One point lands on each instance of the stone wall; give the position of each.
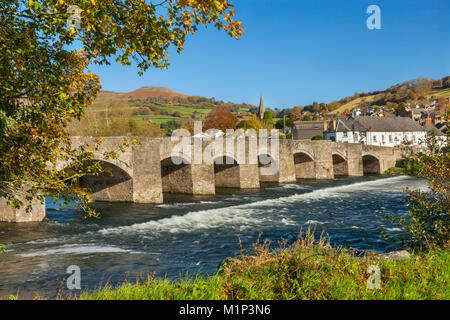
(10, 214)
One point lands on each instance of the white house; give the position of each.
(386, 131)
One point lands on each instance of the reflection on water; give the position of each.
(191, 234)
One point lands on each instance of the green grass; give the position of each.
(439, 93)
(305, 270)
(354, 103)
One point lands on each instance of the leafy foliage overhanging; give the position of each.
(45, 82)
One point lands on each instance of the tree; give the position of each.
(289, 122)
(267, 119)
(253, 123)
(295, 113)
(317, 137)
(170, 126)
(45, 83)
(428, 221)
(306, 118)
(446, 81)
(220, 118)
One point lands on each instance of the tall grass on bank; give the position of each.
(307, 269)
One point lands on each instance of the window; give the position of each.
(374, 138)
(390, 139)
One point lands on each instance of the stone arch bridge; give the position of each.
(145, 171)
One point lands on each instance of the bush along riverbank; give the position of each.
(307, 269)
(406, 167)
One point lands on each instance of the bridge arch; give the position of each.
(340, 164)
(268, 168)
(226, 172)
(114, 183)
(371, 164)
(176, 175)
(304, 165)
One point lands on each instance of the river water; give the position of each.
(192, 234)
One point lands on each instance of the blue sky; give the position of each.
(295, 52)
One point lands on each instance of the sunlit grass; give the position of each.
(307, 269)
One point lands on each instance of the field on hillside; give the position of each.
(142, 111)
(440, 93)
(115, 103)
(354, 103)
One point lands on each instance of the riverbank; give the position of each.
(191, 235)
(304, 270)
(405, 167)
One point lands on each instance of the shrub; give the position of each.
(428, 224)
(408, 166)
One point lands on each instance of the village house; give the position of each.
(306, 130)
(376, 131)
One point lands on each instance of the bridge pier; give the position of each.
(176, 178)
(243, 176)
(354, 160)
(283, 165)
(249, 176)
(203, 179)
(10, 214)
(147, 181)
(323, 162)
(286, 168)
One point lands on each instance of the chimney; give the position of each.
(428, 121)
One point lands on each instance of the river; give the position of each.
(192, 234)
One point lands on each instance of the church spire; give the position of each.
(261, 108)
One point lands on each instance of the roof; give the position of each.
(419, 110)
(442, 127)
(379, 124)
(344, 125)
(306, 134)
(309, 124)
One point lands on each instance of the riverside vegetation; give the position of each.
(307, 269)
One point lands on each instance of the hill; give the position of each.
(414, 91)
(152, 92)
(145, 111)
(437, 92)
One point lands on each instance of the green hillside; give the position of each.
(148, 108)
